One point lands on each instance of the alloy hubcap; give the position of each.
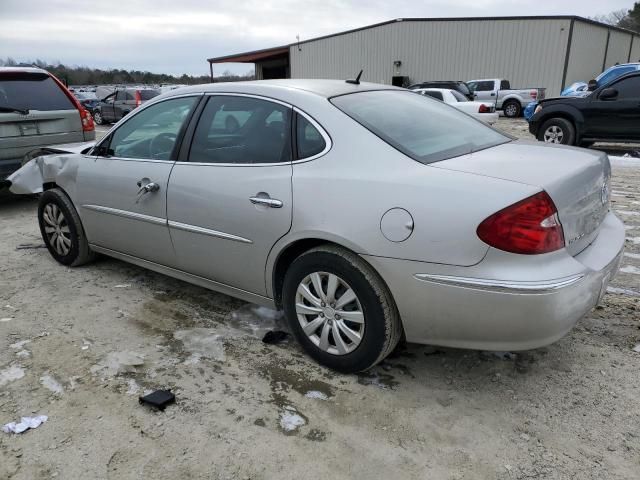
(330, 313)
(511, 110)
(553, 134)
(56, 229)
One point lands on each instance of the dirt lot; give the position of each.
(80, 345)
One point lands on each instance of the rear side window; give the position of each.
(148, 94)
(421, 128)
(485, 86)
(242, 130)
(308, 139)
(458, 96)
(121, 95)
(32, 91)
(436, 95)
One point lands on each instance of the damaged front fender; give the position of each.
(61, 169)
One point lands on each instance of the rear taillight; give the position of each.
(85, 117)
(484, 109)
(534, 94)
(529, 227)
(138, 98)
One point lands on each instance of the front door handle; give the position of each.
(269, 202)
(146, 186)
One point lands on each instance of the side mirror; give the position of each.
(609, 94)
(593, 84)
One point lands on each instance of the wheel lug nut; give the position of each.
(333, 305)
(322, 315)
(337, 317)
(322, 304)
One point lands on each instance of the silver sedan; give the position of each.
(368, 213)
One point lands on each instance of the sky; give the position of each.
(177, 36)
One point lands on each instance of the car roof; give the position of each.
(323, 88)
(23, 70)
(432, 90)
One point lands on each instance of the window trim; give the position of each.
(192, 129)
(328, 144)
(179, 140)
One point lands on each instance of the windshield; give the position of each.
(418, 126)
(32, 91)
(614, 72)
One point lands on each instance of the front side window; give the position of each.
(242, 130)
(308, 139)
(121, 95)
(152, 133)
(421, 128)
(628, 88)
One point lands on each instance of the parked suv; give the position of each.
(610, 113)
(37, 110)
(459, 86)
(118, 104)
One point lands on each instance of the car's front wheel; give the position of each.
(97, 117)
(340, 310)
(557, 130)
(62, 230)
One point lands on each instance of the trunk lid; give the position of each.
(577, 180)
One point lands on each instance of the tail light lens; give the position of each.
(530, 226)
(534, 94)
(484, 109)
(138, 98)
(85, 117)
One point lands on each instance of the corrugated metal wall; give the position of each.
(635, 51)
(618, 51)
(527, 52)
(588, 46)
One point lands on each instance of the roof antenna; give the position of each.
(357, 79)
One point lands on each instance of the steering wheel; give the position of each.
(161, 145)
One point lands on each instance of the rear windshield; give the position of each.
(32, 91)
(148, 94)
(420, 127)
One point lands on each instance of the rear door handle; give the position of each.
(269, 202)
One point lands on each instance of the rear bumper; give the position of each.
(473, 308)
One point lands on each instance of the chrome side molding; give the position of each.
(206, 231)
(504, 286)
(126, 214)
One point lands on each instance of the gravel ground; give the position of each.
(80, 345)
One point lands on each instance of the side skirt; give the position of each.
(188, 277)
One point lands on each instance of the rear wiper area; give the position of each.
(22, 111)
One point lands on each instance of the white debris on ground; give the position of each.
(118, 362)
(201, 343)
(316, 395)
(258, 320)
(132, 387)
(623, 291)
(25, 424)
(123, 285)
(51, 384)
(290, 420)
(630, 269)
(5, 319)
(635, 256)
(14, 372)
(20, 344)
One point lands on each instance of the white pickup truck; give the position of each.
(511, 101)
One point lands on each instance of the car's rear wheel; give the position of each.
(340, 310)
(97, 118)
(557, 130)
(62, 230)
(512, 109)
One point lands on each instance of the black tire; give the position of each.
(561, 126)
(382, 326)
(512, 109)
(78, 251)
(586, 144)
(97, 117)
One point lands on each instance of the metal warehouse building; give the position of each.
(550, 52)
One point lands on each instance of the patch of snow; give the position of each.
(630, 269)
(623, 291)
(628, 212)
(634, 240)
(19, 344)
(25, 424)
(5, 319)
(290, 420)
(122, 285)
(23, 353)
(14, 372)
(257, 320)
(51, 384)
(132, 387)
(632, 255)
(316, 395)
